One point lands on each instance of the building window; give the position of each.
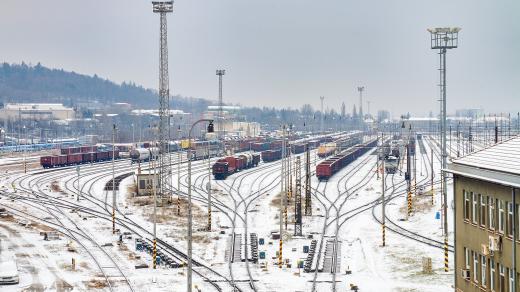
(483, 200)
(483, 271)
(501, 278)
(510, 219)
(492, 274)
(491, 213)
(501, 216)
(474, 209)
(467, 257)
(475, 267)
(466, 206)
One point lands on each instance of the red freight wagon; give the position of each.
(116, 154)
(89, 157)
(75, 158)
(62, 159)
(70, 150)
(87, 149)
(275, 145)
(102, 156)
(49, 161)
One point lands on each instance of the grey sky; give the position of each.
(282, 52)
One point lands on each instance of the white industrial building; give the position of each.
(36, 111)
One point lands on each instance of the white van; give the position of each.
(9, 272)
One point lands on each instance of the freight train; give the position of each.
(332, 165)
(340, 144)
(231, 164)
(77, 155)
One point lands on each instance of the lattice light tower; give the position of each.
(220, 123)
(308, 199)
(443, 39)
(163, 7)
(321, 115)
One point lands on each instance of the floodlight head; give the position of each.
(162, 6)
(361, 88)
(444, 37)
(221, 72)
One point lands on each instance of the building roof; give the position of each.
(499, 163)
(36, 106)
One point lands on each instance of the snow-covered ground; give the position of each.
(250, 196)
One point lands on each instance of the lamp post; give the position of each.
(444, 39)
(190, 217)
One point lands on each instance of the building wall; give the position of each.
(471, 236)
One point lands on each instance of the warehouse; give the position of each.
(486, 184)
(36, 111)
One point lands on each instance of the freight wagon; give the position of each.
(231, 164)
(144, 154)
(271, 155)
(77, 158)
(297, 148)
(332, 165)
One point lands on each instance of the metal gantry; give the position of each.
(443, 39)
(162, 8)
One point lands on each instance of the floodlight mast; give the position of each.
(162, 8)
(444, 39)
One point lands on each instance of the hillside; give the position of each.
(24, 83)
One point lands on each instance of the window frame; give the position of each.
(483, 271)
(510, 219)
(501, 217)
(475, 267)
(474, 208)
(492, 213)
(492, 273)
(467, 206)
(483, 210)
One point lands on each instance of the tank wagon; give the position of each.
(231, 164)
(144, 154)
(332, 165)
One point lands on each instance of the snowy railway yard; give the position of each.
(63, 242)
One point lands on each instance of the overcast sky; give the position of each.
(282, 52)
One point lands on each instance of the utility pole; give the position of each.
(408, 180)
(79, 188)
(282, 194)
(208, 187)
(383, 217)
(444, 39)
(298, 199)
(154, 182)
(321, 115)
(431, 171)
(113, 179)
(162, 8)
(308, 202)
